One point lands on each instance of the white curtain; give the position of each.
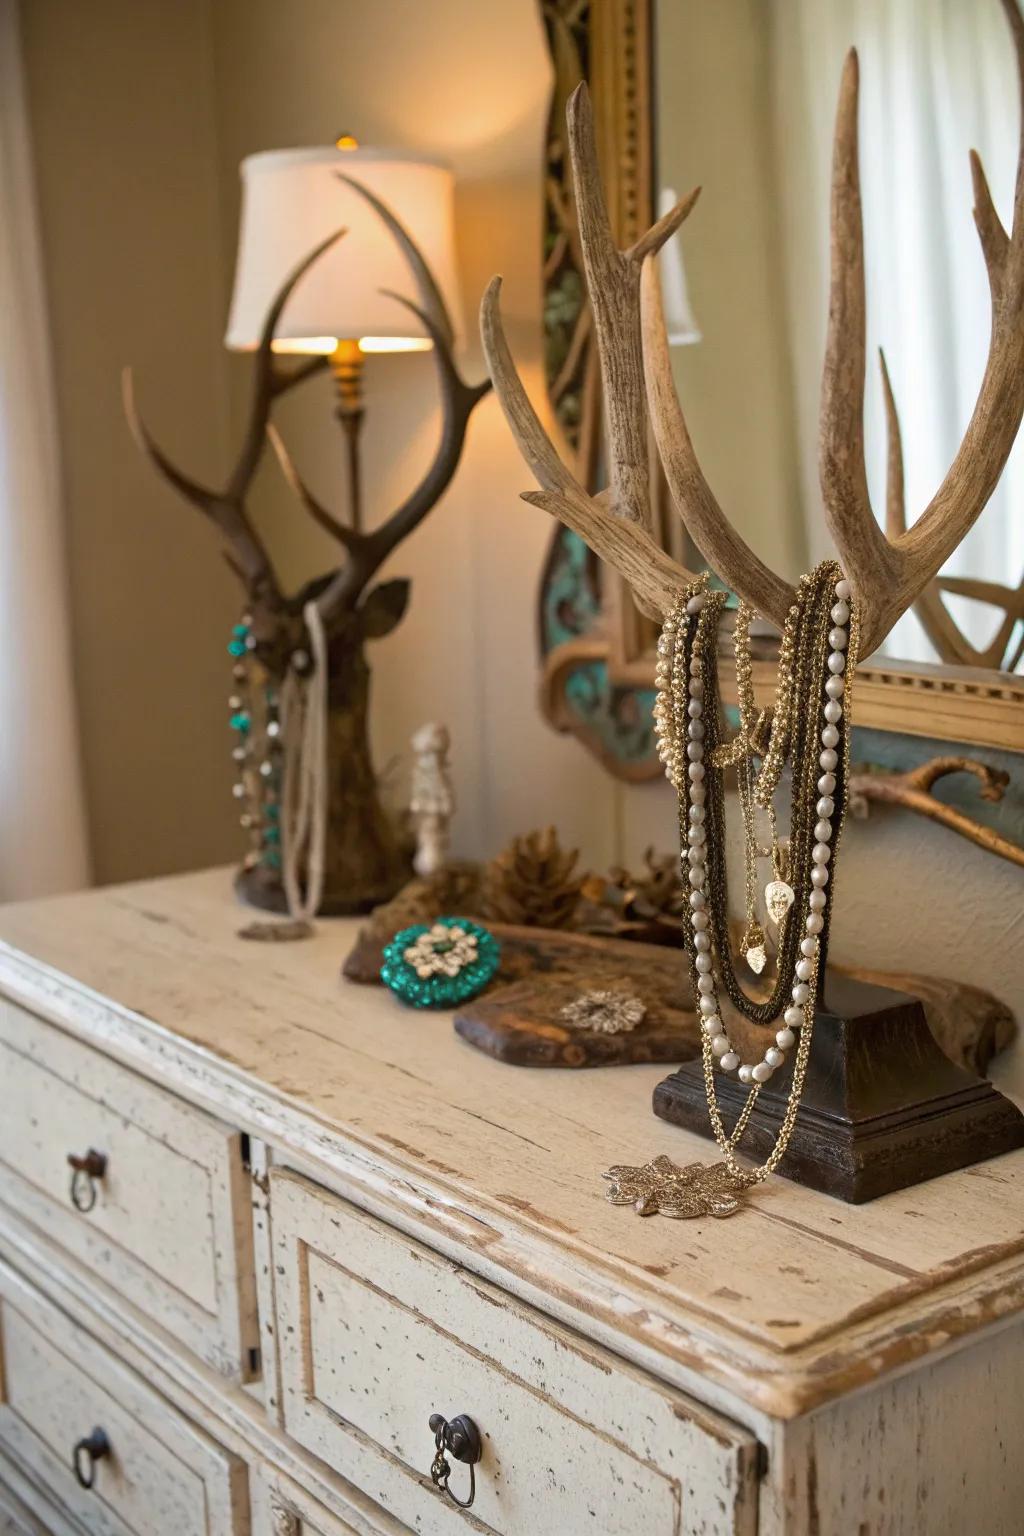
(42, 818)
(937, 79)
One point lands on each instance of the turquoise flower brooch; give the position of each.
(440, 965)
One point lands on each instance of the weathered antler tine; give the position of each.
(1009, 599)
(995, 241)
(268, 379)
(866, 556)
(656, 580)
(613, 279)
(249, 556)
(650, 243)
(430, 295)
(201, 496)
(458, 401)
(936, 620)
(924, 548)
(534, 443)
(723, 548)
(895, 491)
(345, 536)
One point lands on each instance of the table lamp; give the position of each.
(292, 199)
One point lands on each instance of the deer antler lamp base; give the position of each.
(883, 1108)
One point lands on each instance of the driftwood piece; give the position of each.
(888, 574)
(520, 1021)
(517, 1019)
(912, 791)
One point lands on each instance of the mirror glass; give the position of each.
(745, 97)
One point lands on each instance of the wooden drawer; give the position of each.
(281, 1508)
(171, 1227)
(377, 1332)
(162, 1477)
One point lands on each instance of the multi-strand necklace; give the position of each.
(808, 730)
(255, 720)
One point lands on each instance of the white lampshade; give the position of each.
(680, 324)
(292, 200)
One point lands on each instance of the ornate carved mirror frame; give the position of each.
(598, 652)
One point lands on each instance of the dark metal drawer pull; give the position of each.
(461, 1439)
(85, 1171)
(86, 1454)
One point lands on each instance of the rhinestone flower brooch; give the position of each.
(442, 964)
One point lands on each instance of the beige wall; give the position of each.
(131, 231)
(141, 112)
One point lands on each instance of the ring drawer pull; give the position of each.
(85, 1171)
(86, 1454)
(461, 1439)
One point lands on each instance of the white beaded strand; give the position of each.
(681, 699)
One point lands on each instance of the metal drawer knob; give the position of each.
(86, 1454)
(459, 1437)
(85, 1171)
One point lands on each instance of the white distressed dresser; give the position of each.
(310, 1219)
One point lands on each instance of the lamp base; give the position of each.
(883, 1107)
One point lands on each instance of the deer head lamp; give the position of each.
(364, 859)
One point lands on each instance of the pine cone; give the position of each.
(532, 883)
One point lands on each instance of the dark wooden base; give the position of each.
(263, 888)
(882, 1109)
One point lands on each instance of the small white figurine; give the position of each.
(432, 800)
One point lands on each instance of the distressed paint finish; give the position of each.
(501, 1169)
(874, 1351)
(170, 1227)
(377, 1333)
(281, 1507)
(932, 1453)
(163, 1476)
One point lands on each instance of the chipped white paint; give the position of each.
(874, 1351)
(163, 1477)
(170, 1227)
(280, 1507)
(377, 1333)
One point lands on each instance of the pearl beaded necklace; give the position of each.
(684, 713)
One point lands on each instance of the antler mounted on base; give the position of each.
(365, 859)
(888, 573)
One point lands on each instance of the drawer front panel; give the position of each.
(280, 1507)
(170, 1225)
(377, 1332)
(162, 1476)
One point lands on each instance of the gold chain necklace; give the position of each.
(810, 727)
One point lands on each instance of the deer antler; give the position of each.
(723, 548)
(936, 620)
(367, 551)
(248, 555)
(889, 574)
(616, 523)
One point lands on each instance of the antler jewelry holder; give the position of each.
(882, 1107)
(365, 859)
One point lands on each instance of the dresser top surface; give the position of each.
(796, 1300)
